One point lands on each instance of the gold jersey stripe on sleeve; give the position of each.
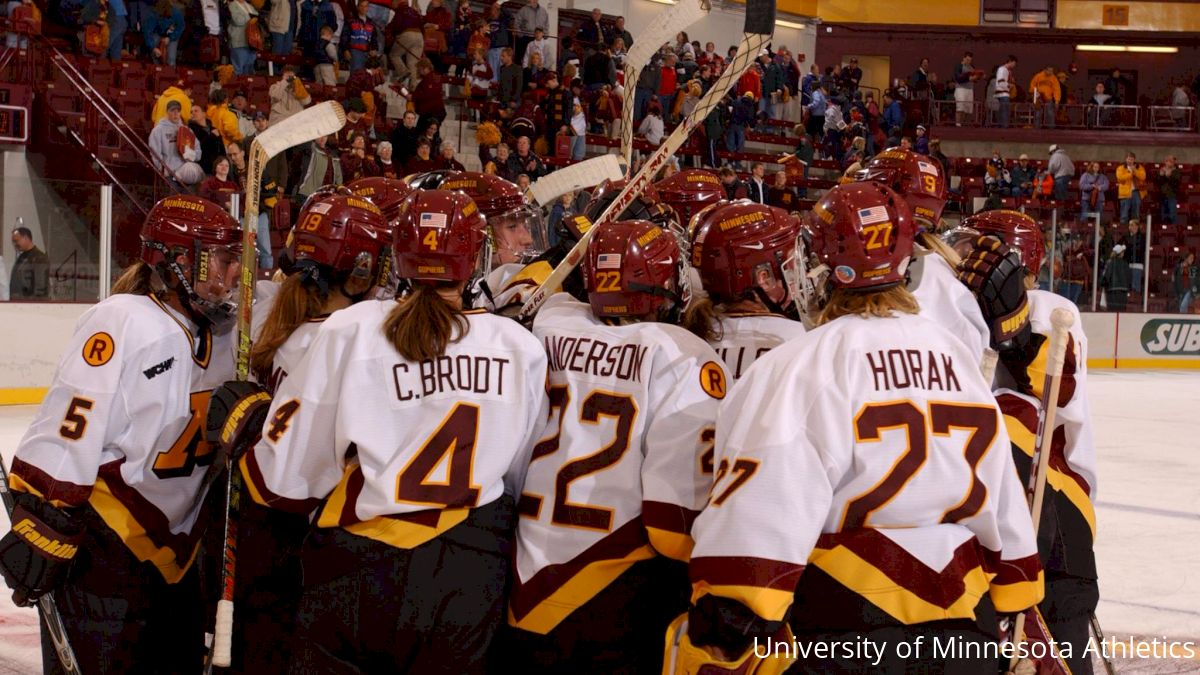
(122, 521)
(1067, 485)
(765, 586)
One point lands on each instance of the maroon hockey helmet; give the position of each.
(1020, 231)
(689, 191)
(209, 240)
(633, 269)
(438, 236)
(862, 235)
(916, 178)
(385, 193)
(342, 234)
(741, 246)
(516, 229)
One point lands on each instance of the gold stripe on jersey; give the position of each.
(668, 527)
(122, 521)
(1068, 486)
(767, 587)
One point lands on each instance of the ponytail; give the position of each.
(702, 319)
(137, 279)
(934, 243)
(424, 324)
(298, 301)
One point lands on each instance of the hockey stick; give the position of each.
(49, 611)
(1060, 321)
(1108, 665)
(678, 17)
(305, 126)
(760, 22)
(987, 365)
(578, 176)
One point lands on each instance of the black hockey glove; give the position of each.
(236, 413)
(36, 554)
(995, 275)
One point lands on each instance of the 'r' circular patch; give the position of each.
(99, 349)
(712, 380)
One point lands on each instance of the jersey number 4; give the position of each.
(619, 407)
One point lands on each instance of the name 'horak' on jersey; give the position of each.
(904, 368)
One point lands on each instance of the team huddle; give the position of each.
(731, 426)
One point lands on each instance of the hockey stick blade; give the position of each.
(578, 176)
(307, 125)
(751, 43)
(663, 28)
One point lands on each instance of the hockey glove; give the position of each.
(995, 275)
(36, 554)
(236, 414)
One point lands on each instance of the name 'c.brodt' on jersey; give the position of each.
(596, 357)
(448, 375)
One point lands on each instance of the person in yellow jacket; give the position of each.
(169, 94)
(1131, 182)
(1046, 94)
(223, 119)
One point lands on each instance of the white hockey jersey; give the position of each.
(121, 428)
(394, 450)
(947, 301)
(873, 450)
(292, 351)
(745, 337)
(622, 470)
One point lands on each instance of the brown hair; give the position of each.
(868, 303)
(137, 279)
(295, 303)
(702, 319)
(423, 324)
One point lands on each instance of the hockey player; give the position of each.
(340, 250)
(378, 430)
(109, 478)
(1068, 526)
(613, 486)
(942, 298)
(689, 191)
(858, 493)
(741, 250)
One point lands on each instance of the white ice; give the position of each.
(1148, 442)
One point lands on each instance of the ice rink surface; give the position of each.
(1148, 512)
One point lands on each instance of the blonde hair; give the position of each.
(137, 279)
(702, 319)
(881, 304)
(424, 324)
(295, 303)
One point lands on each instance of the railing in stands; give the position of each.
(1067, 116)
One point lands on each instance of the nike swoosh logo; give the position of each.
(757, 246)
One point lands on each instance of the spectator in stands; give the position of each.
(918, 82)
(756, 185)
(523, 182)
(408, 44)
(579, 126)
(117, 19)
(316, 165)
(652, 128)
(498, 35)
(1076, 267)
(647, 86)
(1114, 86)
(605, 114)
(592, 34)
(734, 189)
(540, 47)
(1062, 170)
(964, 90)
(240, 54)
(210, 142)
(619, 53)
(429, 131)
(710, 57)
(384, 166)
(427, 98)
(668, 84)
(326, 59)
(438, 22)
(570, 55)
(30, 278)
(782, 195)
(404, 138)
(599, 69)
(164, 147)
(1046, 92)
(314, 16)
(835, 127)
(893, 116)
(1023, 174)
(281, 24)
(683, 46)
(479, 77)
(1093, 186)
(275, 173)
(1135, 253)
(714, 131)
(852, 76)
(288, 95)
(161, 29)
(1185, 281)
(1131, 181)
(240, 107)
(237, 164)
(360, 38)
(772, 86)
(219, 188)
(464, 25)
(1115, 280)
(446, 159)
(1168, 181)
(355, 162)
(25, 19)
(500, 166)
(525, 161)
(530, 18)
(921, 146)
(1004, 78)
(818, 103)
(935, 152)
(741, 116)
(510, 81)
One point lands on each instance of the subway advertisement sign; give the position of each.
(1171, 337)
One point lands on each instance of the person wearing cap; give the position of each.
(357, 124)
(1022, 174)
(852, 75)
(1062, 169)
(1116, 279)
(164, 147)
(921, 145)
